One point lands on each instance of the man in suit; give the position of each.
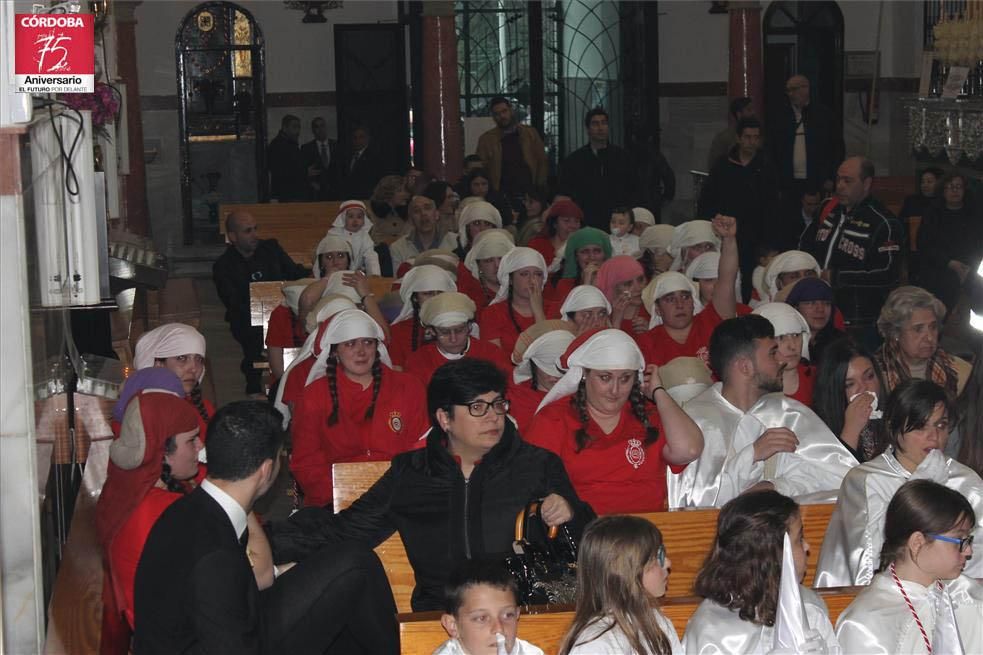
(321, 158)
(362, 168)
(195, 591)
(288, 174)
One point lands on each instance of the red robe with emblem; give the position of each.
(428, 359)
(659, 348)
(496, 323)
(398, 422)
(616, 473)
(523, 401)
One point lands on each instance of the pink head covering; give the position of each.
(615, 271)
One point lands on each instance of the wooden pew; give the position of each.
(420, 633)
(688, 535)
(298, 226)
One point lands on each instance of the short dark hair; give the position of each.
(499, 100)
(361, 127)
(287, 120)
(626, 211)
(746, 123)
(911, 404)
(316, 120)
(735, 337)
(241, 436)
(596, 111)
(953, 175)
(472, 573)
(737, 105)
(459, 382)
(437, 191)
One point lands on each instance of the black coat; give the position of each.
(441, 519)
(358, 181)
(328, 180)
(824, 143)
(600, 182)
(232, 274)
(288, 172)
(748, 193)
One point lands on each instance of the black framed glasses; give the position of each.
(478, 408)
(963, 543)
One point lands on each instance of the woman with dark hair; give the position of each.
(518, 305)
(562, 219)
(813, 298)
(535, 357)
(535, 203)
(917, 418)
(445, 199)
(454, 499)
(614, 444)
(846, 397)
(416, 287)
(921, 601)
(356, 408)
(917, 204)
(741, 577)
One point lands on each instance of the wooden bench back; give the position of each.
(421, 633)
(688, 535)
(891, 190)
(298, 226)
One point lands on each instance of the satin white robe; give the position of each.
(726, 467)
(878, 621)
(716, 630)
(852, 546)
(613, 642)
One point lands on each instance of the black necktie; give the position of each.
(324, 154)
(244, 539)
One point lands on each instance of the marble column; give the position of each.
(746, 71)
(440, 120)
(136, 213)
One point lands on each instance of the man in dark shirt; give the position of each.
(321, 159)
(288, 172)
(513, 153)
(362, 168)
(249, 259)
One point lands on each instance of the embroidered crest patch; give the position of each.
(395, 421)
(634, 453)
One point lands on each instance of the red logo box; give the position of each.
(55, 53)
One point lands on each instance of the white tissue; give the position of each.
(874, 412)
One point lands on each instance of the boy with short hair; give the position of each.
(481, 612)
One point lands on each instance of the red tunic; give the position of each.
(523, 401)
(615, 473)
(544, 247)
(807, 381)
(496, 323)
(127, 546)
(401, 341)
(428, 359)
(742, 310)
(558, 293)
(296, 381)
(627, 325)
(659, 348)
(284, 330)
(468, 285)
(398, 422)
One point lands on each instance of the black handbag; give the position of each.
(544, 560)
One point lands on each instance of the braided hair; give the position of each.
(532, 381)
(511, 310)
(417, 326)
(196, 399)
(637, 400)
(173, 485)
(332, 375)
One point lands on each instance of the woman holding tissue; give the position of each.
(917, 416)
(747, 588)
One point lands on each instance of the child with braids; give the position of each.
(416, 287)
(355, 408)
(518, 305)
(614, 425)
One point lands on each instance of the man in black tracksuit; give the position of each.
(858, 244)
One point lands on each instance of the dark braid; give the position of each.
(637, 401)
(173, 485)
(518, 329)
(332, 374)
(376, 383)
(196, 400)
(417, 326)
(579, 402)
(533, 369)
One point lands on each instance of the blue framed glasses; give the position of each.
(660, 555)
(963, 543)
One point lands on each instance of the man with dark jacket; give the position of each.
(288, 172)
(456, 498)
(362, 168)
(513, 153)
(321, 159)
(600, 176)
(249, 259)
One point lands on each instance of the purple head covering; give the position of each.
(153, 377)
(809, 288)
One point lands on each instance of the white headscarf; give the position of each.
(336, 284)
(584, 296)
(786, 320)
(339, 220)
(643, 215)
(606, 350)
(422, 278)
(291, 293)
(330, 243)
(668, 282)
(518, 257)
(707, 267)
(447, 309)
(168, 340)
(689, 234)
(490, 243)
(657, 236)
(545, 351)
(345, 326)
(786, 262)
(325, 308)
(477, 211)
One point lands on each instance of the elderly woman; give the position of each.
(792, 334)
(655, 243)
(615, 445)
(918, 417)
(563, 218)
(585, 251)
(480, 277)
(535, 356)
(911, 322)
(355, 408)
(448, 319)
(181, 349)
(389, 205)
(587, 308)
(416, 287)
(519, 301)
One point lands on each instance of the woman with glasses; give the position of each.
(614, 425)
(355, 408)
(454, 499)
(416, 287)
(918, 416)
(449, 330)
(922, 600)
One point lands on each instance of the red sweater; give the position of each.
(807, 382)
(296, 381)
(397, 423)
(284, 330)
(401, 341)
(523, 401)
(495, 323)
(468, 285)
(660, 348)
(428, 359)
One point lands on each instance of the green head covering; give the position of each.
(585, 236)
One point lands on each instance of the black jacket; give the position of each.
(359, 181)
(748, 193)
(600, 182)
(288, 173)
(824, 143)
(232, 274)
(327, 182)
(441, 519)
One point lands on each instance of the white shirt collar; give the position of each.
(232, 508)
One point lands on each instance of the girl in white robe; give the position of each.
(622, 570)
(740, 581)
(920, 602)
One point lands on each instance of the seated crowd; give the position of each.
(525, 354)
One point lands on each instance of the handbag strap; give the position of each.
(531, 509)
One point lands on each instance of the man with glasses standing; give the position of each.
(456, 498)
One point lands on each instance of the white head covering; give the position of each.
(330, 243)
(325, 308)
(422, 278)
(490, 243)
(758, 282)
(345, 326)
(664, 283)
(168, 340)
(291, 293)
(689, 234)
(786, 262)
(584, 296)
(605, 350)
(786, 320)
(685, 378)
(558, 256)
(643, 215)
(447, 309)
(336, 285)
(477, 211)
(518, 257)
(545, 351)
(657, 236)
(707, 267)
(339, 220)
